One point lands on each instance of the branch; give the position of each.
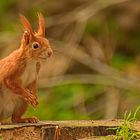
(89, 79)
(82, 13)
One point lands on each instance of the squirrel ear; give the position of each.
(26, 24)
(41, 23)
(26, 38)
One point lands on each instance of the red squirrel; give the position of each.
(16, 93)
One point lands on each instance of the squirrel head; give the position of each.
(34, 44)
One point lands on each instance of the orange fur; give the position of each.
(15, 92)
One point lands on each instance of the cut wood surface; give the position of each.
(60, 130)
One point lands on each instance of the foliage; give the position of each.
(1, 137)
(126, 130)
(66, 102)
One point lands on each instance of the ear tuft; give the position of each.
(41, 22)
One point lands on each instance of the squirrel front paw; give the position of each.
(31, 98)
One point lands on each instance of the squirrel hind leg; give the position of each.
(25, 120)
(19, 111)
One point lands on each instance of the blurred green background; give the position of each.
(94, 72)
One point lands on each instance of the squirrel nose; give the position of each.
(50, 52)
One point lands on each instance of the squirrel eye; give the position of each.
(35, 45)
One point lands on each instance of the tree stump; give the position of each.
(60, 130)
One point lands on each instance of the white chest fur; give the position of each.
(29, 74)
